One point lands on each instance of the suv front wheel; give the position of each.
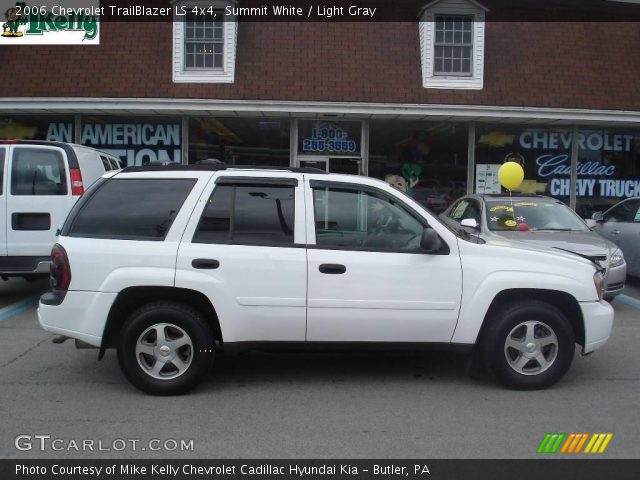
(528, 345)
(165, 348)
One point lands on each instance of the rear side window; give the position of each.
(105, 163)
(132, 209)
(248, 215)
(36, 171)
(116, 164)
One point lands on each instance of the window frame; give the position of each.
(426, 30)
(213, 41)
(446, 44)
(322, 184)
(233, 182)
(184, 74)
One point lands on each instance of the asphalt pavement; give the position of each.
(348, 405)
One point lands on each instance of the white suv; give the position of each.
(172, 264)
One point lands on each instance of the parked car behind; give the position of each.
(621, 225)
(39, 183)
(543, 221)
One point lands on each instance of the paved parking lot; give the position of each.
(308, 406)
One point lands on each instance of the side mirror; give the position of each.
(430, 241)
(598, 217)
(590, 222)
(470, 222)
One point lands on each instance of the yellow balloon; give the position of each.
(510, 175)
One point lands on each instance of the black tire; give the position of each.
(509, 321)
(181, 321)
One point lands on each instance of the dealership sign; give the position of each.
(550, 166)
(134, 143)
(593, 141)
(75, 23)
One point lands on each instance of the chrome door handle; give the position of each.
(615, 232)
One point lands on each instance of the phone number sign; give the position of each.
(329, 138)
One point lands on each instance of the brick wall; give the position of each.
(580, 65)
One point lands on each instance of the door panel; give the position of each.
(383, 297)
(37, 186)
(388, 291)
(245, 251)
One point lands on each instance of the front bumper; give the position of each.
(81, 315)
(614, 280)
(598, 321)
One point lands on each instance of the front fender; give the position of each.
(477, 300)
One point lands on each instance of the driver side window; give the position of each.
(625, 212)
(351, 218)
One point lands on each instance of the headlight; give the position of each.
(617, 258)
(597, 281)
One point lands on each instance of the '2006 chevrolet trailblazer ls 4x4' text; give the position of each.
(170, 264)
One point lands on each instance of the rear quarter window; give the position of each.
(132, 209)
(38, 171)
(105, 163)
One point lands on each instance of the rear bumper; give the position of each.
(598, 321)
(16, 266)
(81, 315)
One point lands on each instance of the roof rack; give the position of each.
(217, 167)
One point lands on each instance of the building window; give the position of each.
(452, 44)
(204, 42)
(240, 140)
(426, 160)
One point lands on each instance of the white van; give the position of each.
(39, 183)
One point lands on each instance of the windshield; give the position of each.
(532, 215)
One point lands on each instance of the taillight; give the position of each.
(77, 188)
(60, 268)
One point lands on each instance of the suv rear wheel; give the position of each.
(528, 345)
(165, 348)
